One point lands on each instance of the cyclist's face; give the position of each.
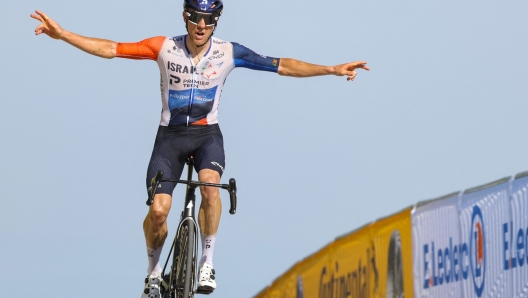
(199, 33)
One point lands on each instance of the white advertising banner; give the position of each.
(515, 237)
(437, 248)
(483, 212)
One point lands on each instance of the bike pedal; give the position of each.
(204, 290)
(164, 283)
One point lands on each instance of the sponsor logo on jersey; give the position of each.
(174, 79)
(218, 165)
(218, 56)
(274, 62)
(182, 98)
(181, 68)
(458, 261)
(209, 71)
(189, 83)
(175, 51)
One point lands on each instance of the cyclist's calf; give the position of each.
(211, 207)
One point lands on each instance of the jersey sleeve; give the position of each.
(245, 57)
(145, 49)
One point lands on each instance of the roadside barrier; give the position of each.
(466, 244)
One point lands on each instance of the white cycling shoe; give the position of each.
(206, 280)
(152, 287)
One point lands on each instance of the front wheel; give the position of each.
(189, 264)
(184, 261)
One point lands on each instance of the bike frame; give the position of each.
(187, 219)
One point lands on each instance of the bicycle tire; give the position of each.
(183, 266)
(188, 289)
(170, 278)
(176, 275)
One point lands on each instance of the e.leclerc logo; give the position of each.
(454, 263)
(477, 250)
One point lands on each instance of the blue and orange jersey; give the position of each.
(190, 93)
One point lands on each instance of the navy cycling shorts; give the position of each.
(174, 144)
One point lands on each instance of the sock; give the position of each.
(208, 243)
(154, 267)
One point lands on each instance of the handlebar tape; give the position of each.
(232, 195)
(154, 183)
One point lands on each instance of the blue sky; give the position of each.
(443, 109)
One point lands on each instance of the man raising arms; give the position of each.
(193, 70)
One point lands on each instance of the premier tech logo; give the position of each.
(458, 261)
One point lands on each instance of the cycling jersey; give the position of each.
(190, 93)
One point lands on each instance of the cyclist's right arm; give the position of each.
(99, 47)
(103, 48)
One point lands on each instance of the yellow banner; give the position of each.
(392, 238)
(374, 261)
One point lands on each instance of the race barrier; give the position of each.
(369, 262)
(466, 244)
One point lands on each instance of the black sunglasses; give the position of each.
(195, 17)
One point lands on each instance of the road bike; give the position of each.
(180, 281)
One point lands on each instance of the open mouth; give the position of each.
(199, 35)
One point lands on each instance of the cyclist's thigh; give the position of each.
(166, 157)
(210, 153)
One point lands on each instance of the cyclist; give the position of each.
(193, 70)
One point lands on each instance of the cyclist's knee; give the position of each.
(157, 216)
(209, 176)
(160, 209)
(210, 195)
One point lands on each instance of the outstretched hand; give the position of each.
(48, 26)
(349, 69)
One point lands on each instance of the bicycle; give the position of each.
(181, 280)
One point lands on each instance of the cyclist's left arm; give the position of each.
(244, 57)
(296, 68)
